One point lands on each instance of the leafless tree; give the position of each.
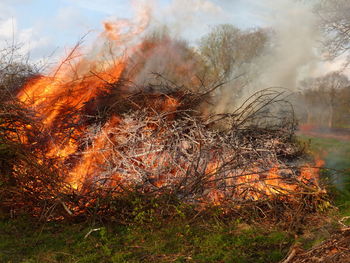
(323, 97)
(226, 49)
(335, 21)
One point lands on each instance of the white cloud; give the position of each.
(32, 40)
(338, 64)
(28, 40)
(109, 7)
(72, 20)
(40, 37)
(7, 28)
(5, 11)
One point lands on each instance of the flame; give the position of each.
(53, 95)
(93, 158)
(101, 151)
(79, 79)
(312, 173)
(279, 180)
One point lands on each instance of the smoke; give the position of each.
(122, 31)
(189, 18)
(292, 53)
(170, 58)
(119, 38)
(289, 56)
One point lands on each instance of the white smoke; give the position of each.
(292, 55)
(189, 18)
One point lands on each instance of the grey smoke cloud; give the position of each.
(296, 36)
(293, 54)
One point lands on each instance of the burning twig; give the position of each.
(154, 143)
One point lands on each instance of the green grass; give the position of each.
(336, 153)
(177, 241)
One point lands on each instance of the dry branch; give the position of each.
(158, 144)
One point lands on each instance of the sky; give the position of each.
(49, 27)
(46, 30)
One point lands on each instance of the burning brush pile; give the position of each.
(85, 137)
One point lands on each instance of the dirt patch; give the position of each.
(334, 250)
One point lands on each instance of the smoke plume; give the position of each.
(292, 54)
(289, 56)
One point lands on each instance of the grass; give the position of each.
(175, 242)
(336, 154)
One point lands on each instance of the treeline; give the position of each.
(325, 101)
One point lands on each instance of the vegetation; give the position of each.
(336, 154)
(177, 241)
(325, 101)
(335, 19)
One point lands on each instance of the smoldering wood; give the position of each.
(224, 159)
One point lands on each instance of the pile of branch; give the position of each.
(246, 157)
(158, 144)
(181, 152)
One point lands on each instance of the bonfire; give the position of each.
(88, 133)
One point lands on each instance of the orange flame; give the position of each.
(78, 80)
(75, 81)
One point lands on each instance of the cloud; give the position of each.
(28, 40)
(40, 35)
(73, 21)
(7, 28)
(108, 7)
(32, 40)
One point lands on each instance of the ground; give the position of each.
(336, 249)
(176, 242)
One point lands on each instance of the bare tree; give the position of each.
(323, 98)
(335, 21)
(226, 49)
(228, 53)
